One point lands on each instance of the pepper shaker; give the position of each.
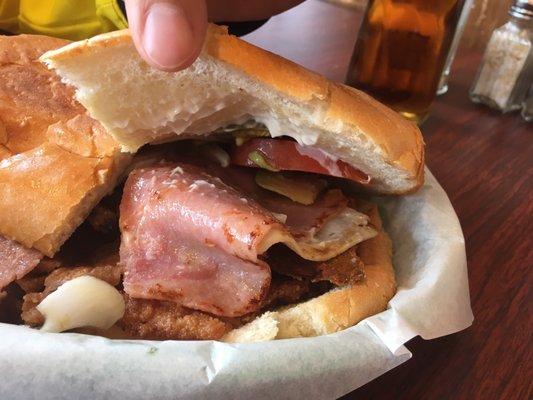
(506, 70)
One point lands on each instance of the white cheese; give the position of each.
(336, 236)
(82, 302)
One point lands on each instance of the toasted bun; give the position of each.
(56, 162)
(337, 309)
(233, 81)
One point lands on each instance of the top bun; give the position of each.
(233, 81)
(56, 162)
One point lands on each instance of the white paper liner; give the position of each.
(432, 301)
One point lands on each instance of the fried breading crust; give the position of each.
(163, 320)
(345, 269)
(284, 290)
(154, 319)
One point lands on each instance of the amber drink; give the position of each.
(401, 51)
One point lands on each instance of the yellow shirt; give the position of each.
(68, 19)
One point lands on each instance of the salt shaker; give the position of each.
(507, 68)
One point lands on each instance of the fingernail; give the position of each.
(167, 35)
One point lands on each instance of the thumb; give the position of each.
(168, 34)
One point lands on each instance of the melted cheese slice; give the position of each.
(341, 232)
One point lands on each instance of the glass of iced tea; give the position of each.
(401, 51)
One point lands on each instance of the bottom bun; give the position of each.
(337, 309)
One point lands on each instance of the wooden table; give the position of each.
(484, 161)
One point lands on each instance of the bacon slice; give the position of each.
(189, 237)
(300, 219)
(15, 261)
(166, 320)
(315, 232)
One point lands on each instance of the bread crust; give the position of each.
(56, 161)
(339, 308)
(345, 307)
(352, 106)
(396, 140)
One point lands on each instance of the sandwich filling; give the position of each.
(213, 233)
(185, 229)
(15, 261)
(193, 239)
(197, 226)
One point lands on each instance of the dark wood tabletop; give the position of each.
(484, 161)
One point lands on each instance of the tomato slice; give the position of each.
(287, 155)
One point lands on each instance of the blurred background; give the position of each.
(406, 52)
(485, 16)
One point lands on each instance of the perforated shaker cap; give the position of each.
(522, 9)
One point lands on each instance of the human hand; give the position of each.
(169, 34)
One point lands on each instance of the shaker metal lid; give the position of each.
(522, 9)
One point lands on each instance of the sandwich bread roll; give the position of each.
(63, 167)
(56, 162)
(231, 82)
